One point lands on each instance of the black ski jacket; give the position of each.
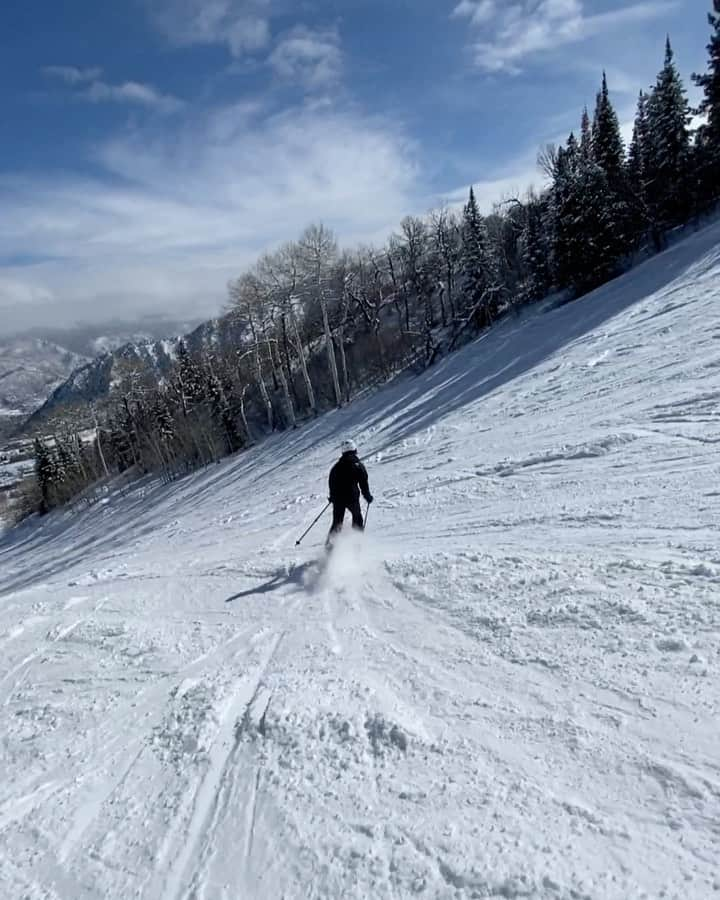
(349, 477)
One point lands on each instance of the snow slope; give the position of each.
(508, 689)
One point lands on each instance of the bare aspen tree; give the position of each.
(271, 344)
(243, 414)
(446, 237)
(98, 440)
(318, 249)
(285, 354)
(381, 296)
(274, 350)
(247, 296)
(371, 291)
(283, 272)
(412, 250)
(78, 448)
(346, 277)
(398, 294)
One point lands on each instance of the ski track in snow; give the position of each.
(508, 688)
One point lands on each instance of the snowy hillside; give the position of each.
(95, 380)
(509, 688)
(114, 366)
(30, 369)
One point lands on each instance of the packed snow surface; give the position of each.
(508, 688)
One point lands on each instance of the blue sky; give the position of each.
(152, 148)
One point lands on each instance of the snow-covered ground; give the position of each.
(508, 689)
(14, 471)
(30, 368)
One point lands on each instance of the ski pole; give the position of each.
(367, 515)
(301, 539)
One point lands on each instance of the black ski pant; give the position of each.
(339, 510)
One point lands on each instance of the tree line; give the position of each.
(310, 325)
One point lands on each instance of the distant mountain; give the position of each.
(147, 362)
(30, 369)
(91, 340)
(36, 362)
(95, 381)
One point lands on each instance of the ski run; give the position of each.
(508, 687)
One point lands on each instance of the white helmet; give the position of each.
(348, 446)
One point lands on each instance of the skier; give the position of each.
(348, 478)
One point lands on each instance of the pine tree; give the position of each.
(164, 421)
(190, 379)
(669, 156)
(129, 440)
(637, 165)
(534, 254)
(586, 138)
(46, 474)
(607, 145)
(222, 412)
(608, 153)
(587, 243)
(569, 238)
(638, 173)
(709, 135)
(67, 462)
(120, 446)
(163, 431)
(478, 264)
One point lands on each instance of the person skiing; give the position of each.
(348, 479)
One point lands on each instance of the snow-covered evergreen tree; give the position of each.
(608, 152)
(478, 265)
(586, 137)
(120, 446)
(67, 463)
(637, 164)
(638, 173)
(669, 157)
(190, 379)
(564, 213)
(587, 242)
(537, 278)
(607, 144)
(708, 143)
(46, 474)
(164, 420)
(221, 410)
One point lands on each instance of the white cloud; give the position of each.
(312, 58)
(512, 182)
(89, 86)
(241, 25)
(524, 28)
(477, 11)
(15, 291)
(132, 92)
(72, 75)
(192, 207)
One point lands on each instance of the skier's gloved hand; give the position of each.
(370, 498)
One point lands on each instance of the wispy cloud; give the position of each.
(241, 25)
(89, 85)
(512, 33)
(71, 74)
(513, 181)
(193, 205)
(132, 92)
(312, 58)
(477, 11)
